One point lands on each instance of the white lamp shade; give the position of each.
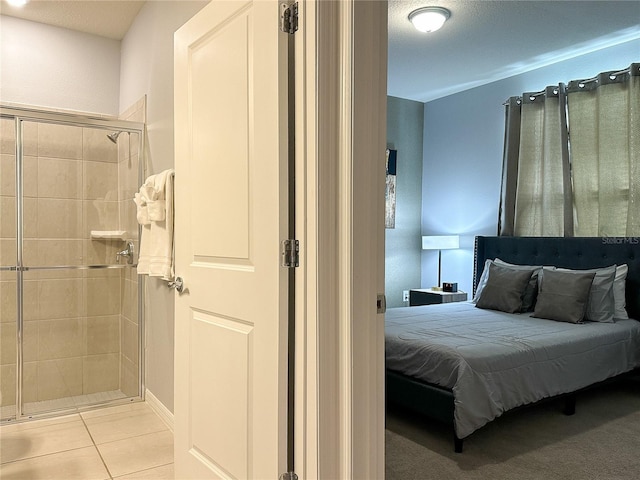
(429, 19)
(440, 242)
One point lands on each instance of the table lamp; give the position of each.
(440, 242)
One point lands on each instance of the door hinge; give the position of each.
(381, 303)
(290, 253)
(289, 17)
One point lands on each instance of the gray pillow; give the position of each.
(600, 305)
(563, 296)
(619, 289)
(531, 291)
(504, 289)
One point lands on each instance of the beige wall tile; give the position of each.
(59, 178)
(7, 217)
(31, 303)
(60, 378)
(101, 252)
(30, 341)
(7, 135)
(103, 296)
(7, 175)
(59, 141)
(103, 334)
(100, 215)
(30, 138)
(101, 373)
(30, 176)
(58, 218)
(30, 217)
(52, 252)
(129, 340)
(8, 301)
(61, 298)
(30, 255)
(8, 256)
(129, 374)
(30, 380)
(128, 178)
(61, 338)
(97, 147)
(7, 385)
(128, 220)
(7, 343)
(129, 297)
(100, 180)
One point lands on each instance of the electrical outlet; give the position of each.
(405, 295)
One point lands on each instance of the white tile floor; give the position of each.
(125, 442)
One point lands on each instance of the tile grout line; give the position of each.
(96, 447)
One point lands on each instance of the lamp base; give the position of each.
(436, 289)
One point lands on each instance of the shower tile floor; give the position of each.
(125, 442)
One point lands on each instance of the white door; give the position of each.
(231, 215)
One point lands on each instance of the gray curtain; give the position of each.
(572, 159)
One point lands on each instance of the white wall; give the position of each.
(147, 69)
(53, 67)
(463, 142)
(403, 246)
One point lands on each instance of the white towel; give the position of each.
(155, 207)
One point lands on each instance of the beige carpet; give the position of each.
(601, 441)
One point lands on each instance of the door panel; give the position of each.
(231, 214)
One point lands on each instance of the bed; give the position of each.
(468, 365)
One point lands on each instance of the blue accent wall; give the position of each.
(462, 159)
(403, 246)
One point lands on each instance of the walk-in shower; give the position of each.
(71, 323)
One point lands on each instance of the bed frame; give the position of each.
(575, 252)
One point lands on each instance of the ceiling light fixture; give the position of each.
(17, 3)
(429, 19)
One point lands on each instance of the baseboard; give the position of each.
(158, 407)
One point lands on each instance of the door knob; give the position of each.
(178, 284)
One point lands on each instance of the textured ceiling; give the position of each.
(107, 18)
(483, 41)
(486, 40)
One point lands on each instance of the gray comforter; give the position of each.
(495, 361)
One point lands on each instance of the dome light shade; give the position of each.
(429, 19)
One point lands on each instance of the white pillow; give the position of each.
(619, 283)
(483, 280)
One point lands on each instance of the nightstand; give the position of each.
(426, 296)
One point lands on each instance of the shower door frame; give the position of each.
(20, 114)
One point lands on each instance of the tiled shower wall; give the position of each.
(80, 326)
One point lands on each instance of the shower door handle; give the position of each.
(178, 284)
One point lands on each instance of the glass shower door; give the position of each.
(8, 261)
(69, 289)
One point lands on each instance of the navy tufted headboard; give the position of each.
(568, 252)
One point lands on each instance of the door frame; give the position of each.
(341, 62)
